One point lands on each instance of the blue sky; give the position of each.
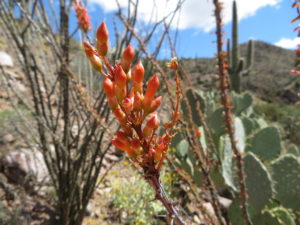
(265, 20)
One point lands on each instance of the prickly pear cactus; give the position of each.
(193, 98)
(228, 171)
(227, 162)
(266, 143)
(275, 216)
(259, 189)
(258, 182)
(239, 134)
(286, 176)
(241, 102)
(216, 122)
(249, 125)
(293, 149)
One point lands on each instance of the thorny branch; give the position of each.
(226, 102)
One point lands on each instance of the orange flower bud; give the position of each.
(112, 102)
(128, 105)
(136, 146)
(151, 152)
(138, 101)
(109, 89)
(158, 151)
(121, 136)
(155, 104)
(127, 129)
(123, 146)
(91, 53)
(152, 87)
(151, 125)
(138, 73)
(102, 39)
(118, 144)
(120, 78)
(120, 115)
(131, 93)
(102, 33)
(127, 58)
(120, 93)
(102, 48)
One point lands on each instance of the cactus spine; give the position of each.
(237, 65)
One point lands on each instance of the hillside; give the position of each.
(269, 78)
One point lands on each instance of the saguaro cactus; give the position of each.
(237, 65)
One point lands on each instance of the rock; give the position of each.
(8, 138)
(4, 95)
(20, 165)
(225, 202)
(196, 219)
(112, 158)
(5, 59)
(19, 86)
(210, 209)
(89, 209)
(6, 190)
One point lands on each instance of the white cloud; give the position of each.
(194, 13)
(288, 43)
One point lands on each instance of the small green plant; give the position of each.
(134, 197)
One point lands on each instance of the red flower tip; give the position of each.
(158, 151)
(121, 136)
(109, 89)
(89, 49)
(127, 58)
(152, 87)
(136, 146)
(138, 73)
(155, 104)
(120, 145)
(151, 125)
(93, 56)
(102, 33)
(120, 115)
(153, 121)
(128, 105)
(102, 39)
(120, 78)
(138, 101)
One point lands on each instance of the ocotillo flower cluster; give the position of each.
(134, 108)
(82, 16)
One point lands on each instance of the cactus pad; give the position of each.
(266, 143)
(286, 175)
